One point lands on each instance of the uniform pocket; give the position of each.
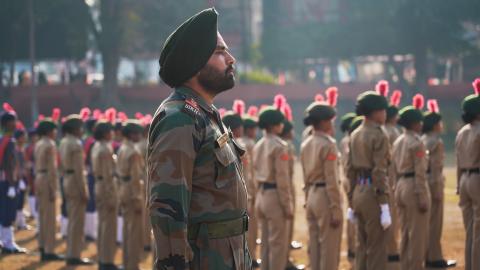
(225, 166)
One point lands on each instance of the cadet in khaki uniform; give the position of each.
(432, 129)
(274, 203)
(467, 146)
(366, 168)
(131, 194)
(46, 185)
(103, 166)
(412, 193)
(319, 158)
(393, 133)
(346, 120)
(75, 187)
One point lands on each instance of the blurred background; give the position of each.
(102, 53)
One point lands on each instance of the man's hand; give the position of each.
(385, 217)
(11, 192)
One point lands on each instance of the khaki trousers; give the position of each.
(414, 226)
(270, 213)
(76, 209)
(371, 246)
(470, 204)
(434, 248)
(252, 233)
(324, 240)
(133, 235)
(46, 213)
(107, 229)
(394, 230)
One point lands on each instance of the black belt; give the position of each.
(470, 171)
(126, 178)
(266, 186)
(320, 184)
(42, 171)
(70, 171)
(99, 177)
(408, 175)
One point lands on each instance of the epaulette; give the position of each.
(281, 141)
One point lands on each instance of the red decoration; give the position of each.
(96, 114)
(122, 116)
(85, 113)
(418, 101)
(432, 106)
(319, 98)
(110, 115)
(239, 107)
(279, 101)
(252, 111)
(222, 112)
(56, 112)
(476, 86)
(287, 111)
(332, 96)
(395, 98)
(382, 88)
(8, 108)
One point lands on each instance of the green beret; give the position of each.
(45, 126)
(101, 128)
(356, 122)
(72, 122)
(346, 120)
(471, 104)
(270, 116)
(249, 122)
(187, 49)
(430, 119)
(370, 101)
(132, 126)
(232, 120)
(392, 111)
(287, 127)
(318, 111)
(410, 115)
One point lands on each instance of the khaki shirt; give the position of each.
(130, 172)
(436, 157)
(103, 167)
(72, 163)
(248, 168)
(467, 147)
(369, 150)
(392, 132)
(410, 156)
(46, 163)
(319, 158)
(272, 160)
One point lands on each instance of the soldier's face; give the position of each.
(379, 116)
(53, 134)
(218, 75)
(251, 133)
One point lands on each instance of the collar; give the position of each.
(321, 134)
(412, 133)
(192, 94)
(370, 124)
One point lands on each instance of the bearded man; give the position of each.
(197, 196)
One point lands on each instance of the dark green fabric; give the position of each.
(409, 115)
(249, 122)
(72, 122)
(370, 101)
(287, 127)
(188, 48)
(356, 122)
(392, 111)
(471, 105)
(132, 126)
(430, 120)
(270, 116)
(318, 111)
(232, 120)
(346, 120)
(45, 126)
(103, 127)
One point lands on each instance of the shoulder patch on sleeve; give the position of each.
(285, 157)
(420, 153)
(331, 156)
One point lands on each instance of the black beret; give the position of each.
(287, 127)
(89, 124)
(72, 122)
(270, 116)
(370, 101)
(392, 111)
(188, 48)
(18, 133)
(430, 120)
(410, 115)
(232, 120)
(318, 111)
(45, 126)
(7, 117)
(132, 126)
(346, 120)
(471, 104)
(101, 128)
(249, 122)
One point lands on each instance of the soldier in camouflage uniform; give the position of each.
(197, 196)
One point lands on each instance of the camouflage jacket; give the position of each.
(195, 179)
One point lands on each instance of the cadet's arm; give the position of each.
(329, 156)
(282, 176)
(381, 157)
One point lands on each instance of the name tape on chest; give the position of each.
(191, 106)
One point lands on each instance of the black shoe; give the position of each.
(108, 266)
(147, 248)
(256, 263)
(394, 258)
(90, 239)
(24, 228)
(296, 245)
(441, 264)
(51, 257)
(78, 261)
(15, 250)
(350, 255)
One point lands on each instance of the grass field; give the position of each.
(453, 237)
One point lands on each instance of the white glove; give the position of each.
(21, 185)
(351, 216)
(385, 217)
(11, 192)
